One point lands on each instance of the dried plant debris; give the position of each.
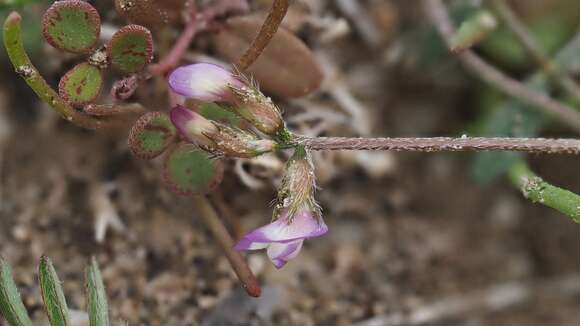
(286, 67)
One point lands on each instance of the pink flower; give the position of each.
(193, 126)
(211, 83)
(284, 237)
(204, 81)
(217, 138)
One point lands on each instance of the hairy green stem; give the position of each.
(539, 191)
(25, 68)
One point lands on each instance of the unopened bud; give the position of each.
(211, 83)
(218, 138)
(205, 82)
(194, 127)
(258, 109)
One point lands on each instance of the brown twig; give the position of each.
(564, 113)
(217, 198)
(443, 144)
(219, 231)
(267, 31)
(534, 49)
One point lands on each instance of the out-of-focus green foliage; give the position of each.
(505, 119)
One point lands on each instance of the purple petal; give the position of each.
(181, 117)
(281, 253)
(303, 226)
(203, 81)
(191, 125)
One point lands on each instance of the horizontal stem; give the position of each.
(443, 144)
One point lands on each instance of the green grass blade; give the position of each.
(52, 294)
(97, 297)
(11, 305)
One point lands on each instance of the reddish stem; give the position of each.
(269, 28)
(172, 59)
(221, 234)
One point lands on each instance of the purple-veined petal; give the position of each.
(281, 253)
(203, 81)
(303, 226)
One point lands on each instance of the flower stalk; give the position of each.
(224, 239)
(443, 144)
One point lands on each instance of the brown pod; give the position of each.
(286, 68)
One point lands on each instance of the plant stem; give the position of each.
(180, 47)
(564, 113)
(219, 231)
(549, 66)
(267, 31)
(443, 144)
(539, 191)
(25, 68)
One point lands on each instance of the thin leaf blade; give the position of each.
(11, 305)
(98, 308)
(52, 294)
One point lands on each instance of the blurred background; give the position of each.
(415, 239)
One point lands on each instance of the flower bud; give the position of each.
(211, 83)
(205, 82)
(194, 127)
(218, 138)
(258, 109)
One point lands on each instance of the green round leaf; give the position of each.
(81, 85)
(151, 135)
(72, 26)
(131, 48)
(189, 170)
